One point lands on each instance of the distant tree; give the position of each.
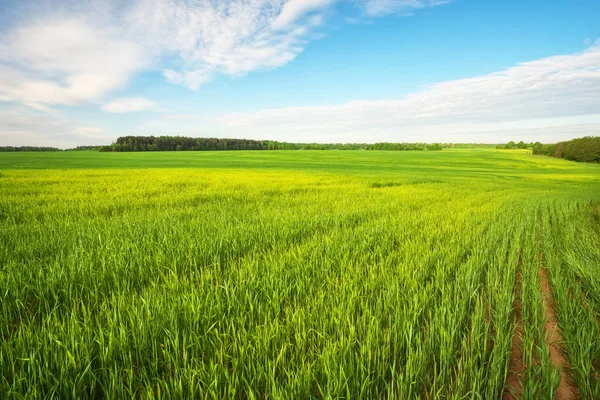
(586, 149)
(510, 145)
(537, 148)
(549, 150)
(180, 143)
(559, 150)
(86, 148)
(27, 148)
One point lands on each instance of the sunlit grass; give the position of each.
(291, 274)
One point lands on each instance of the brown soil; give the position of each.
(516, 368)
(566, 389)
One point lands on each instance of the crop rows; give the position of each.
(208, 283)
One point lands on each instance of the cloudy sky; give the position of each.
(75, 72)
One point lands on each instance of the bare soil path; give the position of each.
(516, 369)
(566, 389)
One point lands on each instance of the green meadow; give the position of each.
(462, 273)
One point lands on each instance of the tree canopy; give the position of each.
(181, 143)
(586, 149)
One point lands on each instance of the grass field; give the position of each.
(299, 274)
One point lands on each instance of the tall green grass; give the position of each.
(292, 275)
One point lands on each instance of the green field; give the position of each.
(298, 274)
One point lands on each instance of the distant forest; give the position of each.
(512, 145)
(40, 148)
(27, 148)
(181, 143)
(586, 149)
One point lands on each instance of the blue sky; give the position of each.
(75, 72)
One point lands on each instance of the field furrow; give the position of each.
(356, 276)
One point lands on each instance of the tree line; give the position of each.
(181, 143)
(85, 148)
(585, 149)
(27, 148)
(512, 145)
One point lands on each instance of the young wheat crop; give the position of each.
(296, 274)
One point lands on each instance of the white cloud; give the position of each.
(204, 38)
(190, 79)
(70, 52)
(295, 9)
(132, 104)
(24, 127)
(553, 98)
(382, 7)
(75, 52)
(550, 99)
(58, 61)
(89, 131)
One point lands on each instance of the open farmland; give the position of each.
(302, 274)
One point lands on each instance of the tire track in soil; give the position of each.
(566, 389)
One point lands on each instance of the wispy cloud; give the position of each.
(381, 7)
(294, 10)
(70, 52)
(233, 37)
(22, 126)
(132, 104)
(89, 131)
(64, 61)
(550, 99)
(560, 94)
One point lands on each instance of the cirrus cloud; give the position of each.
(381, 7)
(64, 61)
(553, 98)
(235, 37)
(24, 126)
(132, 104)
(70, 52)
(550, 99)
